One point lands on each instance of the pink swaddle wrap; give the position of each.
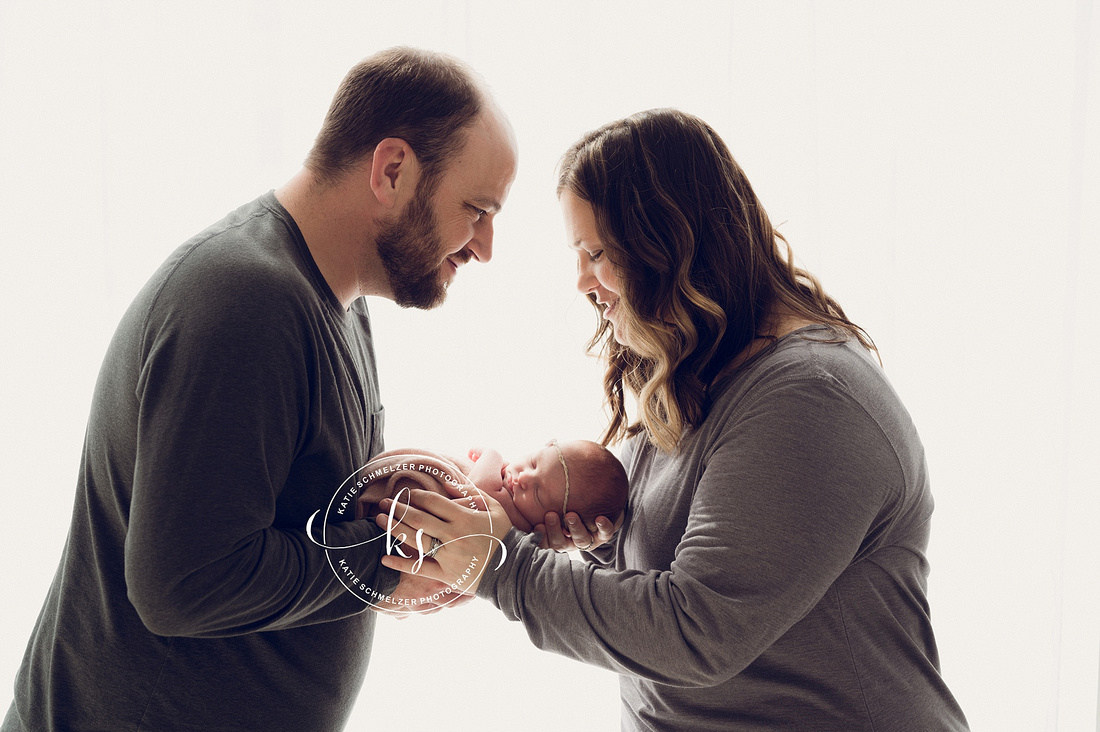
(393, 470)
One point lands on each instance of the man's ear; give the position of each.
(393, 171)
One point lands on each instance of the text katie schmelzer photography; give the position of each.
(391, 468)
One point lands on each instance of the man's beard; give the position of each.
(412, 255)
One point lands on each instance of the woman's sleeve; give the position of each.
(789, 489)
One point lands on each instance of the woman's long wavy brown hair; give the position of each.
(700, 266)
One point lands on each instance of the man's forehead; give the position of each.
(490, 139)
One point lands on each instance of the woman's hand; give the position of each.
(421, 590)
(470, 527)
(585, 538)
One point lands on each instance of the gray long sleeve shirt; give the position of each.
(234, 399)
(771, 575)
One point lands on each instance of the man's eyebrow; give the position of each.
(491, 205)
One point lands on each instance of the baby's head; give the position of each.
(579, 475)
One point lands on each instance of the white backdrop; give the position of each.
(937, 164)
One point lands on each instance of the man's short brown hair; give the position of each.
(422, 97)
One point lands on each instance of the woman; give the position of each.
(771, 570)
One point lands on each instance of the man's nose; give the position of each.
(481, 246)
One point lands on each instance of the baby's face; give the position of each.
(537, 484)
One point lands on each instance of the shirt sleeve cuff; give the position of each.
(496, 583)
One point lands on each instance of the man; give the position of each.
(238, 393)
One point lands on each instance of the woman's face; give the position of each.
(595, 274)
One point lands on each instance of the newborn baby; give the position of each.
(579, 476)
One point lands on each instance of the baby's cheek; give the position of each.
(530, 510)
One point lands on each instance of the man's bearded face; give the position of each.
(414, 256)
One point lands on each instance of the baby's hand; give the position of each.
(488, 464)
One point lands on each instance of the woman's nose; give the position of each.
(586, 281)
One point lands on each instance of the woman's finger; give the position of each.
(414, 565)
(579, 534)
(605, 528)
(552, 535)
(403, 541)
(478, 501)
(459, 563)
(401, 538)
(408, 518)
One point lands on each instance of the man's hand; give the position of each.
(417, 594)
